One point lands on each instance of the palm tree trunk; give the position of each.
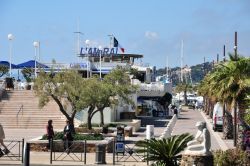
(241, 129)
(228, 126)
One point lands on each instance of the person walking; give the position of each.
(50, 132)
(2, 137)
(68, 136)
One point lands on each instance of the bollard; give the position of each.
(26, 156)
(85, 151)
(51, 149)
(100, 154)
(22, 148)
(114, 151)
(150, 132)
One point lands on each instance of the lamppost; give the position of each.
(235, 104)
(36, 44)
(87, 42)
(100, 54)
(10, 38)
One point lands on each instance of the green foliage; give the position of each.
(247, 116)
(116, 124)
(231, 157)
(77, 136)
(27, 74)
(86, 125)
(3, 70)
(165, 150)
(197, 72)
(65, 88)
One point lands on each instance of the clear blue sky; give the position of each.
(153, 28)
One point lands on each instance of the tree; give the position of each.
(229, 83)
(165, 151)
(27, 74)
(184, 87)
(103, 93)
(3, 70)
(65, 88)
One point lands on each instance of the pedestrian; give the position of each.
(176, 111)
(50, 132)
(68, 136)
(2, 137)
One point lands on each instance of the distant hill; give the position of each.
(197, 72)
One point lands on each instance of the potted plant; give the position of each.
(27, 74)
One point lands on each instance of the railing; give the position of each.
(16, 150)
(17, 115)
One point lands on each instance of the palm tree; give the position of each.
(229, 84)
(184, 87)
(166, 150)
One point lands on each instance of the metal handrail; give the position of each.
(20, 109)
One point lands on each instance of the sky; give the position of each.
(153, 28)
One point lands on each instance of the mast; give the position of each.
(181, 60)
(78, 39)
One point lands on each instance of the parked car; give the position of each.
(217, 116)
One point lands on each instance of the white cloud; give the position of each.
(151, 35)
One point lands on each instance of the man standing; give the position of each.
(68, 136)
(2, 136)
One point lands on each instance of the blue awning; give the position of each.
(6, 63)
(31, 64)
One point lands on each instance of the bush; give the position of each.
(93, 125)
(59, 136)
(231, 157)
(115, 124)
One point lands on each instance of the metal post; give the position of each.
(22, 148)
(224, 53)
(235, 104)
(100, 65)
(147, 154)
(114, 151)
(85, 151)
(204, 66)
(51, 149)
(26, 154)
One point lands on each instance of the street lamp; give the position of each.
(10, 38)
(100, 54)
(36, 44)
(87, 42)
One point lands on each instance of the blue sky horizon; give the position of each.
(151, 28)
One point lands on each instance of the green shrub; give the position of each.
(77, 136)
(93, 125)
(231, 157)
(115, 124)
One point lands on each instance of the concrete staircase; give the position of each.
(19, 109)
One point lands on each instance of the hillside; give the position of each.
(197, 72)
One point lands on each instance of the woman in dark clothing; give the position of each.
(68, 135)
(50, 132)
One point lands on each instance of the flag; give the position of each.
(116, 44)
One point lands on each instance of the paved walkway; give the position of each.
(186, 124)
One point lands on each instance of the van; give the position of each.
(217, 116)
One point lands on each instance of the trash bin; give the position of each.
(9, 83)
(100, 154)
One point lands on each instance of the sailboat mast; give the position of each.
(181, 60)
